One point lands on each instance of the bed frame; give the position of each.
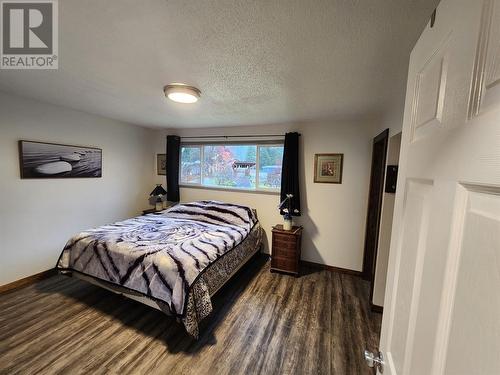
(148, 301)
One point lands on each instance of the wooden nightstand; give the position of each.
(149, 211)
(286, 249)
(152, 210)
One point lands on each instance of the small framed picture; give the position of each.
(328, 168)
(161, 164)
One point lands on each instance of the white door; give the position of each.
(442, 304)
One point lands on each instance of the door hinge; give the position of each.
(375, 360)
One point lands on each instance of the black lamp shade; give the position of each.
(158, 190)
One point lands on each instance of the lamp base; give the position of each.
(287, 225)
(159, 206)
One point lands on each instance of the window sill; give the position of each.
(267, 192)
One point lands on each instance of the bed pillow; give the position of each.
(215, 212)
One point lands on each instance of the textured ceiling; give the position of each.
(256, 62)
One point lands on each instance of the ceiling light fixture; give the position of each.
(181, 93)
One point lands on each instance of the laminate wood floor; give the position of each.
(263, 323)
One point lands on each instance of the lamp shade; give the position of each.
(158, 190)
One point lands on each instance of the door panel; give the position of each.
(412, 251)
(444, 269)
(429, 94)
(485, 89)
(477, 281)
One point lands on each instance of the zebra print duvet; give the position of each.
(160, 255)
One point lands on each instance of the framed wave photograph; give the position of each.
(52, 160)
(328, 168)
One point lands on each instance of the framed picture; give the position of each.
(53, 160)
(161, 164)
(328, 168)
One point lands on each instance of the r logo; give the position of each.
(29, 37)
(27, 28)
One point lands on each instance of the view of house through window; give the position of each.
(270, 159)
(190, 165)
(232, 166)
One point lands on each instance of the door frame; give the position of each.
(370, 253)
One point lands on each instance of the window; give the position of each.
(270, 159)
(232, 166)
(190, 165)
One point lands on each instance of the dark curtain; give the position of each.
(173, 154)
(290, 172)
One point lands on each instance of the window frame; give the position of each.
(201, 146)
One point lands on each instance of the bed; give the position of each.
(174, 260)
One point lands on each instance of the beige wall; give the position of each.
(333, 215)
(37, 217)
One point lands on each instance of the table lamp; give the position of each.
(158, 193)
(286, 207)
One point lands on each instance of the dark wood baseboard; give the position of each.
(26, 281)
(332, 268)
(377, 308)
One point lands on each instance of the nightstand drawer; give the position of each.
(284, 264)
(283, 251)
(288, 238)
(289, 245)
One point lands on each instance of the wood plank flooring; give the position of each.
(263, 323)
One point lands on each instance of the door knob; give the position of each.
(375, 360)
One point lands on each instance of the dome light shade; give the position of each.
(181, 93)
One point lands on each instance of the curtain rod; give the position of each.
(236, 136)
